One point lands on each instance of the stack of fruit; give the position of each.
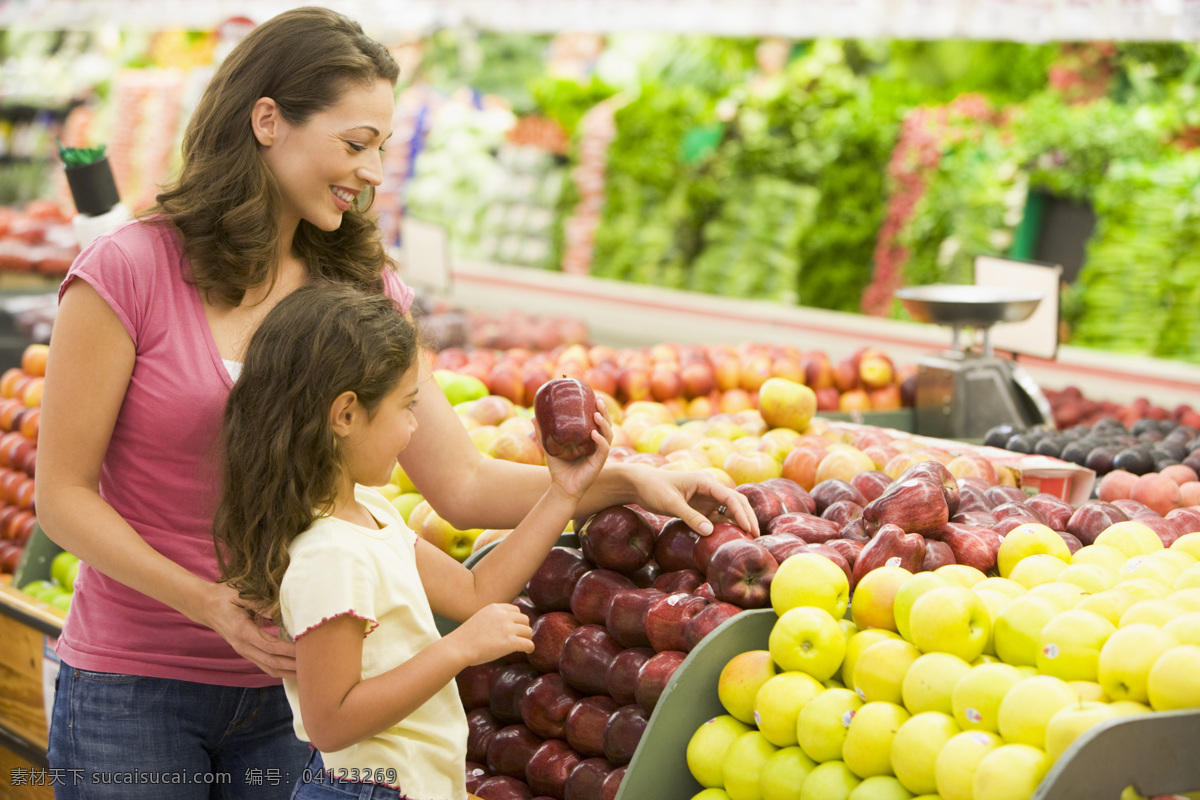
(59, 588)
(20, 409)
(1147, 445)
(950, 683)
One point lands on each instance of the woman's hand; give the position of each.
(229, 617)
(694, 497)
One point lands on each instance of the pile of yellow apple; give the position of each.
(952, 684)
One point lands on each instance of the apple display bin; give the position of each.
(35, 560)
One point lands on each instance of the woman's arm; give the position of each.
(88, 371)
(339, 708)
(470, 490)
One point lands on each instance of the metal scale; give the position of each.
(964, 392)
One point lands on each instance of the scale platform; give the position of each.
(963, 393)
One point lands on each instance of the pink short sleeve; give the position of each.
(395, 288)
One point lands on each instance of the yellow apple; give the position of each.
(1188, 543)
(744, 761)
(1142, 587)
(916, 746)
(1031, 538)
(867, 750)
(1091, 578)
(871, 603)
(1089, 690)
(441, 534)
(977, 695)
(880, 787)
(1131, 538)
(708, 746)
(950, 619)
(822, 723)
(740, 680)
(1156, 611)
(715, 449)
(401, 479)
(405, 502)
(1185, 627)
(879, 672)
(929, 682)
(1028, 706)
(995, 583)
(1071, 722)
(778, 704)
(1126, 659)
(1036, 569)
(784, 403)
(1010, 772)
(855, 645)
(955, 766)
(1015, 631)
(810, 579)
(1104, 555)
(962, 573)
(1110, 603)
(809, 640)
(908, 593)
(1174, 680)
(784, 774)
(832, 780)
(1064, 595)
(1188, 597)
(1069, 644)
(1159, 569)
(995, 602)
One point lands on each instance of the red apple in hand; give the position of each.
(740, 573)
(565, 409)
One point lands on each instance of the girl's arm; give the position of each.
(339, 708)
(89, 368)
(470, 490)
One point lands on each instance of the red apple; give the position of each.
(475, 684)
(503, 787)
(890, 546)
(594, 593)
(654, 676)
(831, 490)
(482, 727)
(507, 687)
(849, 549)
(974, 546)
(510, 750)
(680, 580)
(871, 483)
(806, 527)
(587, 654)
(794, 496)
(587, 779)
(476, 774)
(550, 631)
(674, 547)
(937, 554)
(916, 505)
(780, 546)
(586, 721)
(565, 409)
(551, 585)
(617, 538)
(550, 766)
(623, 733)
(709, 618)
(667, 617)
(842, 512)
(722, 533)
(621, 680)
(626, 619)
(545, 705)
(608, 790)
(764, 503)
(1092, 518)
(740, 573)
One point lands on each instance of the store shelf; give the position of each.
(624, 314)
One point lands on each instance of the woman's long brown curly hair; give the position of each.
(225, 202)
(281, 466)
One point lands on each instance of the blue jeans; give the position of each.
(316, 784)
(134, 738)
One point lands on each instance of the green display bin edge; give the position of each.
(35, 560)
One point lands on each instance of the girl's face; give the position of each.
(322, 167)
(370, 451)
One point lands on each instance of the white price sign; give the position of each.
(1080, 20)
(1017, 20)
(925, 19)
(1141, 19)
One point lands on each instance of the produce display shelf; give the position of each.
(625, 314)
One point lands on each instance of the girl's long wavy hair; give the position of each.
(225, 202)
(281, 466)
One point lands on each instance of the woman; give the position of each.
(166, 677)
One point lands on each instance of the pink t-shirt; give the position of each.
(161, 470)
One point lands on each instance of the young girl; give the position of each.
(322, 408)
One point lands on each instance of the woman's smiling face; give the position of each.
(322, 166)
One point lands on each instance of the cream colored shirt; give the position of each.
(338, 568)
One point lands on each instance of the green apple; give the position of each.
(1091, 578)
(1010, 772)
(929, 682)
(1155, 611)
(977, 695)
(1029, 539)
(743, 765)
(807, 639)
(1131, 538)
(1174, 680)
(867, 750)
(459, 388)
(455, 542)
(1071, 722)
(60, 599)
(809, 579)
(1069, 644)
(1185, 628)
(401, 479)
(1016, 629)
(908, 593)
(1010, 588)
(60, 567)
(73, 574)
(778, 704)
(916, 746)
(1110, 603)
(963, 574)
(950, 619)
(879, 672)
(872, 602)
(1126, 658)
(831, 780)
(1028, 706)
(39, 589)
(1036, 569)
(740, 680)
(880, 787)
(784, 773)
(954, 768)
(707, 748)
(856, 644)
(822, 724)
(405, 502)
